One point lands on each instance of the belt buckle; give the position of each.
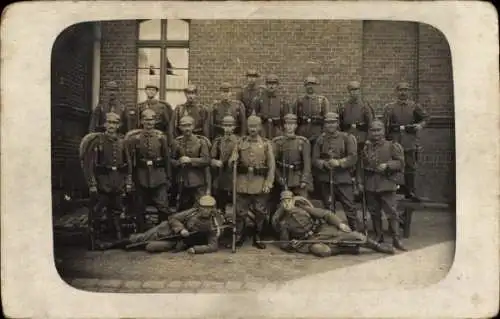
(149, 163)
(113, 168)
(353, 125)
(308, 119)
(270, 120)
(401, 127)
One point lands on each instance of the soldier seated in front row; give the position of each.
(196, 230)
(297, 221)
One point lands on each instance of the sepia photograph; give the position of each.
(238, 156)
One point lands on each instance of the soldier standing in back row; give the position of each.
(221, 151)
(271, 108)
(383, 162)
(355, 116)
(311, 109)
(111, 103)
(150, 153)
(163, 111)
(334, 156)
(250, 91)
(403, 120)
(227, 106)
(191, 159)
(192, 108)
(255, 179)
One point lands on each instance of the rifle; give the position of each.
(363, 197)
(91, 222)
(181, 182)
(331, 197)
(317, 241)
(233, 242)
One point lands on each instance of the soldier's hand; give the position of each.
(417, 127)
(267, 188)
(184, 160)
(184, 233)
(382, 167)
(303, 185)
(217, 163)
(93, 189)
(334, 163)
(191, 251)
(345, 228)
(294, 243)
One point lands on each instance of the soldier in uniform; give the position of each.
(334, 156)
(200, 228)
(107, 168)
(271, 108)
(221, 151)
(254, 180)
(383, 162)
(298, 220)
(311, 109)
(150, 153)
(192, 108)
(162, 110)
(404, 119)
(249, 91)
(293, 159)
(227, 106)
(355, 116)
(191, 159)
(110, 104)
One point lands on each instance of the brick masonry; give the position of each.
(378, 53)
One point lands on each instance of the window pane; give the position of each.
(178, 58)
(149, 57)
(175, 98)
(144, 77)
(178, 80)
(177, 30)
(150, 30)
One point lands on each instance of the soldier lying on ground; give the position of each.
(196, 230)
(306, 229)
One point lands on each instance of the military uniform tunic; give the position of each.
(355, 117)
(293, 163)
(163, 114)
(205, 230)
(195, 175)
(271, 109)
(98, 116)
(247, 95)
(223, 108)
(223, 181)
(199, 114)
(343, 147)
(311, 110)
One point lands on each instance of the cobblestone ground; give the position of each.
(249, 269)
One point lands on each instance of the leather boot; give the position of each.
(377, 228)
(379, 247)
(396, 241)
(410, 188)
(257, 243)
(353, 223)
(240, 233)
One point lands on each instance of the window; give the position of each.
(163, 58)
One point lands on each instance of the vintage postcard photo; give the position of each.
(223, 159)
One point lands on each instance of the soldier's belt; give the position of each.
(103, 169)
(358, 126)
(274, 120)
(293, 166)
(147, 163)
(410, 128)
(310, 119)
(262, 171)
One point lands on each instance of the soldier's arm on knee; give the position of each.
(176, 221)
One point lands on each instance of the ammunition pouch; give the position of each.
(298, 166)
(151, 163)
(363, 127)
(310, 119)
(260, 171)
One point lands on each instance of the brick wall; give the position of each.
(119, 57)
(292, 49)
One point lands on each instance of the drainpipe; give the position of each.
(96, 67)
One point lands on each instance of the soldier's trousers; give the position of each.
(257, 204)
(190, 196)
(157, 196)
(152, 237)
(410, 169)
(223, 198)
(344, 194)
(386, 201)
(113, 202)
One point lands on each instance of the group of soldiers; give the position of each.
(261, 153)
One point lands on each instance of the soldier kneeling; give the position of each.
(307, 229)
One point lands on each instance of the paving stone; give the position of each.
(153, 284)
(214, 285)
(174, 284)
(132, 284)
(110, 283)
(192, 284)
(84, 283)
(253, 285)
(271, 286)
(234, 285)
(168, 290)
